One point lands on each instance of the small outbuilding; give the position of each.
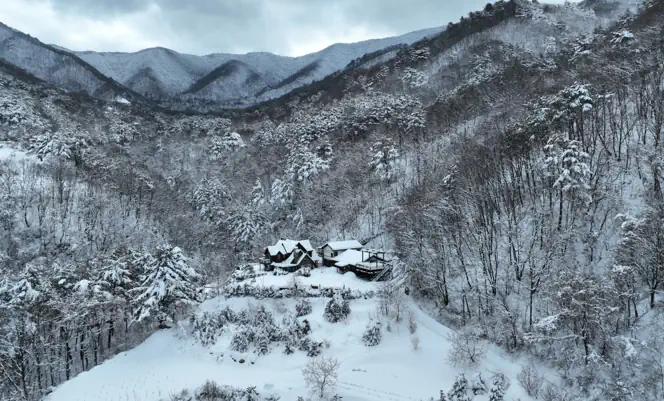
(332, 249)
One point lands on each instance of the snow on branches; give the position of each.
(568, 165)
(169, 283)
(384, 159)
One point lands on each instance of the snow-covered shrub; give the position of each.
(209, 391)
(183, 395)
(459, 391)
(245, 289)
(337, 309)
(289, 347)
(303, 307)
(549, 392)
(372, 335)
(412, 324)
(315, 349)
(263, 322)
(228, 315)
(415, 342)
(207, 327)
(478, 386)
(241, 339)
(530, 380)
(306, 327)
(280, 307)
(305, 344)
(498, 391)
(262, 341)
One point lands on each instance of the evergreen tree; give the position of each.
(169, 283)
(337, 309)
(303, 307)
(497, 392)
(257, 193)
(384, 157)
(459, 390)
(372, 335)
(568, 165)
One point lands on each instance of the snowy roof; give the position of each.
(343, 245)
(291, 262)
(286, 246)
(349, 257)
(358, 258)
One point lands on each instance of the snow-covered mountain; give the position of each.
(175, 78)
(233, 78)
(56, 66)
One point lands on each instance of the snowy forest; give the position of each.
(513, 163)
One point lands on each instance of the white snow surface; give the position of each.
(168, 362)
(8, 152)
(322, 277)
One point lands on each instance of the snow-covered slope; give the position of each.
(168, 362)
(160, 72)
(55, 66)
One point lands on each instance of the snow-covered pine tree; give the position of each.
(207, 327)
(459, 391)
(303, 307)
(222, 145)
(372, 335)
(241, 339)
(245, 225)
(258, 193)
(569, 165)
(337, 309)
(169, 283)
(478, 385)
(384, 156)
(324, 150)
(497, 392)
(262, 340)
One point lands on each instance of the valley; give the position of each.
(495, 183)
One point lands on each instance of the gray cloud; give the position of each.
(209, 26)
(99, 8)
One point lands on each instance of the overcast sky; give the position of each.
(286, 27)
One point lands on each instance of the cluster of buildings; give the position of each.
(346, 256)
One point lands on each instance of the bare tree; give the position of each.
(320, 376)
(465, 348)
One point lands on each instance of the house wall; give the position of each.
(328, 253)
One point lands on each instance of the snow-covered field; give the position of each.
(169, 361)
(324, 277)
(8, 152)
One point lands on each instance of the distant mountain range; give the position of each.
(184, 80)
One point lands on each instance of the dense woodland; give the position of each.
(514, 163)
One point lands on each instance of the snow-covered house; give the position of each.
(297, 260)
(365, 263)
(289, 252)
(332, 249)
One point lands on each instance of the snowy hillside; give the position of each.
(171, 361)
(54, 66)
(513, 165)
